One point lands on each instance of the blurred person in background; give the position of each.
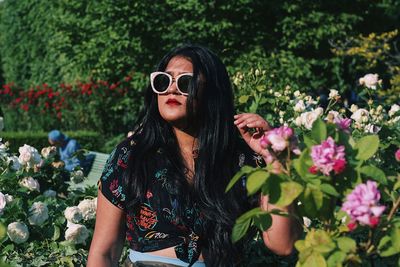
(67, 149)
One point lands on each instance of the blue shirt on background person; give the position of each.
(66, 148)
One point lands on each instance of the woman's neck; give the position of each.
(186, 141)
(189, 151)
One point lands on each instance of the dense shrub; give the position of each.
(87, 140)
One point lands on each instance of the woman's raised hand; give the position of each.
(252, 127)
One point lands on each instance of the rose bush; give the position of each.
(344, 182)
(38, 210)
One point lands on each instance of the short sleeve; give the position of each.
(247, 156)
(111, 183)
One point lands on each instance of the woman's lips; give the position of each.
(173, 102)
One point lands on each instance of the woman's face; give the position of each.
(172, 104)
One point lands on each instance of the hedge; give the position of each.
(87, 139)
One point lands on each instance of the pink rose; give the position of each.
(278, 138)
(328, 156)
(343, 124)
(362, 204)
(397, 155)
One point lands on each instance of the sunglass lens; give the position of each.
(184, 82)
(161, 82)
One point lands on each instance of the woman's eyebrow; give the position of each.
(174, 73)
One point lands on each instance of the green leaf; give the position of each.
(243, 99)
(244, 170)
(329, 189)
(300, 245)
(367, 147)
(289, 192)
(395, 237)
(386, 248)
(309, 141)
(317, 197)
(263, 221)
(396, 185)
(315, 260)
(249, 214)
(318, 131)
(239, 230)
(302, 164)
(320, 241)
(255, 180)
(336, 259)
(374, 173)
(56, 233)
(347, 244)
(3, 231)
(242, 223)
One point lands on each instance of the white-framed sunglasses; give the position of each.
(161, 81)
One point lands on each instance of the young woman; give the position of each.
(163, 187)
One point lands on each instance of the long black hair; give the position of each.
(210, 111)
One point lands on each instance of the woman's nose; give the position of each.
(172, 88)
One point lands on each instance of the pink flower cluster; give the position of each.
(279, 139)
(327, 157)
(362, 205)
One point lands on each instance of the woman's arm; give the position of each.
(109, 234)
(284, 231)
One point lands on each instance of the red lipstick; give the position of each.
(173, 101)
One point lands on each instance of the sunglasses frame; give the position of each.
(171, 80)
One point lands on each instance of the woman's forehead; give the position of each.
(178, 65)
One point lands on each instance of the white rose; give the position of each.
(297, 93)
(73, 214)
(77, 233)
(307, 221)
(308, 118)
(88, 208)
(39, 213)
(9, 198)
(1, 123)
(353, 108)
(18, 232)
(394, 120)
(299, 107)
(277, 94)
(49, 193)
(370, 80)
(333, 94)
(3, 148)
(298, 121)
(393, 109)
(30, 183)
(77, 176)
(370, 128)
(48, 151)
(28, 156)
(332, 115)
(359, 115)
(3, 202)
(15, 165)
(310, 101)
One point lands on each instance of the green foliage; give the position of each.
(318, 194)
(87, 140)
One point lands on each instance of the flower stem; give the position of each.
(393, 210)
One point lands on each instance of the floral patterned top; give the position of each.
(154, 224)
